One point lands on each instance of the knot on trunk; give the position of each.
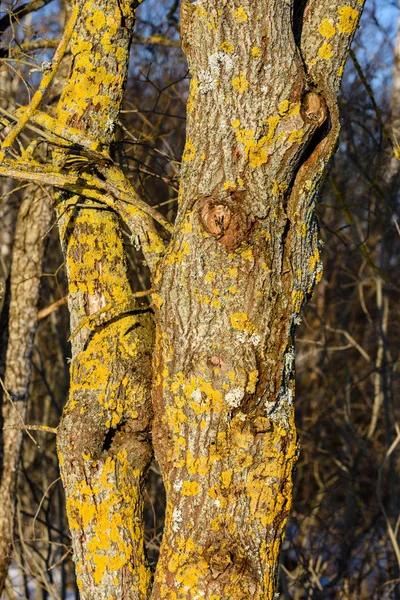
(219, 557)
(228, 559)
(225, 220)
(314, 108)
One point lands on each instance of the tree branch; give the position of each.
(327, 32)
(44, 84)
(86, 185)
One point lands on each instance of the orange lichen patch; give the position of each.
(247, 254)
(239, 320)
(209, 19)
(254, 150)
(252, 382)
(229, 185)
(177, 253)
(96, 20)
(255, 52)
(296, 136)
(204, 397)
(175, 417)
(348, 19)
(257, 154)
(226, 478)
(95, 371)
(273, 123)
(287, 109)
(197, 466)
(303, 230)
(215, 492)
(242, 322)
(233, 272)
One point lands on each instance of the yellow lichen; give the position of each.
(240, 84)
(226, 478)
(194, 88)
(297, 300)
(229, 185)
(314, 260)
(252, 382)
(210, 276)
(233, 271)
(227, 47)
(296, 136)
(239, 321)
(254, 150)
(348, 19)
(240, 15)
(325, 51)
(326, 29)
(189, 152)
(190, 488)
(255, 52)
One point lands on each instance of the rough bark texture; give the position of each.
(26, 270)
(103, 437)
(262, 125)
(242, 262)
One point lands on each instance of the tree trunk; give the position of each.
(103, 437)
(262, 125)
(242, 262)
(26, 270)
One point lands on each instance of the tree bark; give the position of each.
(103, 437)
(26, 270)
(244, 258)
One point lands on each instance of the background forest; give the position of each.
(342, 540)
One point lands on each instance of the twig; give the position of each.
(85, 185)
(33, 428)
(19, 414)
(51, 308)
(40, 504)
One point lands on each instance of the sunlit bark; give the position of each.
(262, 125)
(243, 260)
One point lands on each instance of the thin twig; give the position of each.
(19, 414)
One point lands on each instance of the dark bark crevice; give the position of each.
(299, 7)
